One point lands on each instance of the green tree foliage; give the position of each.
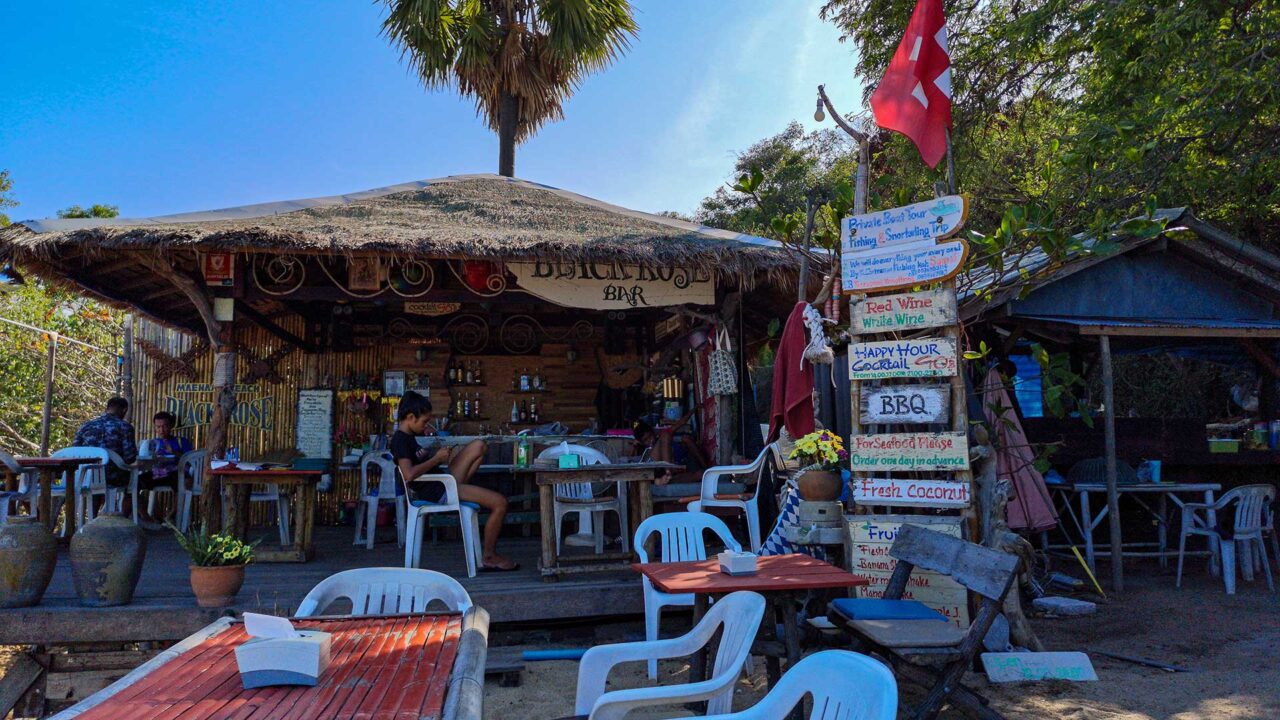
(6, 200)
(93, 211)
(519, 59)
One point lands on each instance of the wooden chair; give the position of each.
(987, 573)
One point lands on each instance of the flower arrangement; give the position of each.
(216, 550)
(821, 450)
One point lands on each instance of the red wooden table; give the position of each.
(49, 468)
(780, 578)
(397, 667)
(236, 484)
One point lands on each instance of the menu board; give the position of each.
(871, 537)
(315, 423)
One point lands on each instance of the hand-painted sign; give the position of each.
(902, 266)
(1024, 666)
(929, 220)
(871, 536)
(192, 405)
(614, 286)
(910, 451)
(905, 404)
(929, 357)
(898, 492)
(907, 311)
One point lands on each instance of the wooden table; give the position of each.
(403, 666)
(301, 484)
(48, 470)
(1086, 522)
(780, 578)
(637, 475)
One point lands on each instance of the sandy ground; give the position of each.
(1231, 645)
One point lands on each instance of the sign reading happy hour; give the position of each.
(905, 311)
(928, 357)
(923, 221)
(909, 492)
(910, 451)
(902, 266)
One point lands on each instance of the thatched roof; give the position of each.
(466, 216)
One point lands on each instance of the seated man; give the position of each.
(112, 432)
(166, 448)
(461, 462)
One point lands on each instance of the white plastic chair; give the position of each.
(682, 539)
(581, 498)
(270, 493)
(190, 484)
(116, 497)
(386, 591)
(415, 529)
(386, 491)
(843, 685)
(1252, 519)
(749, 506)
(84, 482)
(28, 486)
(739, 613)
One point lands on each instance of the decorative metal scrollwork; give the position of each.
(411, 278)
(519, 334)
(280, 275)
(491, 283)
(468, 334)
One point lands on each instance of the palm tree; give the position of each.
(519, 59)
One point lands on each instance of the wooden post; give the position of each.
(46, 416)
(1113, 495)
(810, 208)
(126, 361)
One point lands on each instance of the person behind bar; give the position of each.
(461, 462)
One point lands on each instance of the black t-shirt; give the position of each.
(405, 447)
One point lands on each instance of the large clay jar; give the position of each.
(106, 560)
(819, 485)
(28, 553)
(216, 586)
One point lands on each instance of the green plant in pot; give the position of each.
(217, 565)
(822, 457)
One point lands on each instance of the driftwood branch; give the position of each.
(191, 289)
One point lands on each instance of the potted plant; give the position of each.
(822, 457)
(217, 565)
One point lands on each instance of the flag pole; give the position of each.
(951, 166)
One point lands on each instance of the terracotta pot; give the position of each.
(106, 560)
(216, 586)
(28, 553)
(819, 485)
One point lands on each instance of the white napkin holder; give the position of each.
(279, 654)
(737, 563)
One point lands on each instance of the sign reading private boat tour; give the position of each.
(905, 404)
(902, 266)
(909, 451)
(871, 536)
(907, 311)
(928, 357)
(929, 220)
(908, 492)
(614, 286)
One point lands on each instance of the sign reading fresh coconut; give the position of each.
(928, 357)
(902, 266)
(899, 492)
(905, 404)
(907, 311)
(929, 220)
(614, 286)
(910, 451)
(871, 536)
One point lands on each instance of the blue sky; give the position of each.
(162, 107)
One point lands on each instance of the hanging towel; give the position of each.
(792, 381)
(1030, 507)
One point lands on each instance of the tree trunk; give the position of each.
(508, 121)
(993, 495)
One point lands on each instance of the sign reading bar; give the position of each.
(902, 266)
(905, 404)
(614, 286)
(898, 492)
(928, 357)
(908, 311)
(910, 451)
(871, 536)
(929, 220)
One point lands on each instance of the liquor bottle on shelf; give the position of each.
(469, 378)
(533, 410)
(515, 412)
(466, 407)
(458, 409)
(540, 381)
(478, 373)
(524, 380)
(524, 411)
(475, 405)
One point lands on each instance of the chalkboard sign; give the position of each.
(315, 423)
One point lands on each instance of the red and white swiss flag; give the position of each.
(914, 98)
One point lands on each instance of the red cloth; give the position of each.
(914, 98)
(792, 404)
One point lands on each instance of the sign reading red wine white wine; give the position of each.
(905, 311)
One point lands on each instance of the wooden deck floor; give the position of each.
(164, 608)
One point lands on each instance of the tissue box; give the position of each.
(570, 461)
(737, 563)
(296, 660)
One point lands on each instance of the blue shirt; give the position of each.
(110, 432)
(167, 453)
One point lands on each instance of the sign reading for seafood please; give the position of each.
(928, 357)
(910, 451)
(905, 311)
(929, 220)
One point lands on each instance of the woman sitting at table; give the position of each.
(461, 462)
